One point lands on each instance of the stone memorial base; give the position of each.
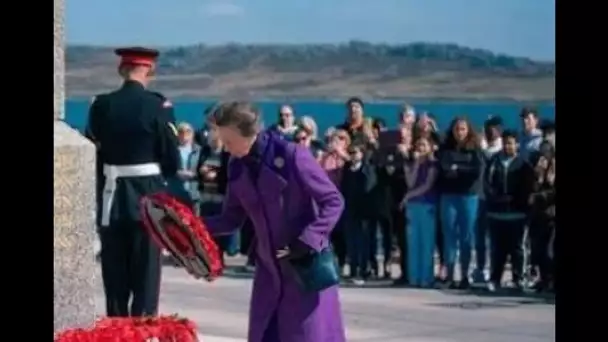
(74, 228)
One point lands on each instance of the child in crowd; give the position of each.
(358, 179)
(509, 180)
(421, 199)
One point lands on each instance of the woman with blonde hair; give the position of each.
(308, 123)
(307, 135)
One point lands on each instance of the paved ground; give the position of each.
(378, 312)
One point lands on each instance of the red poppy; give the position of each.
(174, 227)
(134, 329)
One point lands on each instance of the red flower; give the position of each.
(189, 220)
(134, 329)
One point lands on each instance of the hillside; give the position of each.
(419, 70)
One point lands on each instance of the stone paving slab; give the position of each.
(372, 314)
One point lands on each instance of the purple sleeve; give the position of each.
(324, 193)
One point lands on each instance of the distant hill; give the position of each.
(380, 71)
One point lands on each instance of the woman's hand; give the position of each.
(283, 253)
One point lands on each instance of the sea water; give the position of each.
(329, 114)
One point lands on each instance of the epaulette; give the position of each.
(98, 97)
(166, 102)
(159, 95)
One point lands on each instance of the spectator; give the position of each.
(212, 171)
(286, 124)
(358, 180)
(185, 185)
(407, 116)
(400, 157)
(549, 132)
(333, 162)
(508, 185)
(355, 124)
(200, 136)
(307, 135)
(383, 205)
(532, 136)
(461, 164)
(425, 127)
(421, 200)
(491, 144)
(492, 140)
(542, 221)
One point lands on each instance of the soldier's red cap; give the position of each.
(137, 56)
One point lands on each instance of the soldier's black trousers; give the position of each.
(131, 269)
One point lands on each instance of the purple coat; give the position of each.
(293, 202)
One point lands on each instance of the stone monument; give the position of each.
(74, 207)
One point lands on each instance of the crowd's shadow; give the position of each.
(515, 296)
(237, 272)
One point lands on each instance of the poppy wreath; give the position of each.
(173, 226)
(134, 329)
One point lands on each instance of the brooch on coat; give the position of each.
(279, 162)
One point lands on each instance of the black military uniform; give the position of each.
(134, 131)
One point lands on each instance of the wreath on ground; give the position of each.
(134, 329)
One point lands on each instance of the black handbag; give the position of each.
(316, 271)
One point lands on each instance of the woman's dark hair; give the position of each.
(494, 121)
(508, 133)
(548, 127)
(354, 100)
(471, 141)
(240, 114)
(528, 111)
(356, 147)
(281, 107)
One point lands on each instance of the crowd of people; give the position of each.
(431, 201)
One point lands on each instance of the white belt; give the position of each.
(112, 173)
(214, 198)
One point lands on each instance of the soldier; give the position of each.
(134, 131)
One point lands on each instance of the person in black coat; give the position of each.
(134, 132)
(358, 179)
(382, 202)
(509, 181)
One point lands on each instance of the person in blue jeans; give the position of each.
(421, 203)
(459, 183)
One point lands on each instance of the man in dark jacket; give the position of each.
(136, 139)
(358, 179)
(508, 181)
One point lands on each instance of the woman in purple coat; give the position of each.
(293, 206)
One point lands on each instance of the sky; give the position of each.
(516, 27)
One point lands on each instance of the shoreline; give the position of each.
(371, 100)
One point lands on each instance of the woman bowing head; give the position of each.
(293, 206)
